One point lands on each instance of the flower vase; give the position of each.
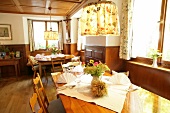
(154, 64)
(98, 87)
(95, 79)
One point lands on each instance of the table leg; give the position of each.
(0, 72)
(19, 70)
(16, 71)
(40, 69)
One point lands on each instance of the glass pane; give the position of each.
(146, 15)
(39, 28)
(54, 26)
(166, 46)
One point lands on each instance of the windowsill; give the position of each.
(149, 66)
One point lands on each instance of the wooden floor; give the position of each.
(15, 95)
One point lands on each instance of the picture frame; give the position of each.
(5, 32)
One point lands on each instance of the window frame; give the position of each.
(161, 63)
(46, 21)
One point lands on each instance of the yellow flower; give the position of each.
(96, 69)
(92, 61)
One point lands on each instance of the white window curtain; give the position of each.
(31, 35)
(60, 36)
(79, 39)
(126, 35)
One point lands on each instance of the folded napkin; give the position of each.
(60, 55)
(73, 63)
(59, 77)
(119, 79)
(78, 68)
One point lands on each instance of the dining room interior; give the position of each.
(102, 56)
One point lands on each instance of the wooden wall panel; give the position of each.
(9, 70)
(112, 59)
(98, 54)
(89, 52)
(82, 56)
(108, 55)
(71, 49)
(156, 80)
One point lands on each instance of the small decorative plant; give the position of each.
(154, 54)
(3, 48)
(55, 50)
(95, 68)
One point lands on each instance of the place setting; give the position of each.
(102, 92)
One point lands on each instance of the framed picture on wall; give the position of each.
(5, 32)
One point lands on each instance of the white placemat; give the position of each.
(113, 101)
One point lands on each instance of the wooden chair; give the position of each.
(55, 106)
(35, 67)
(57, 64)
(33, 103)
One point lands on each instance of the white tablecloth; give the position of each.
(114, 100)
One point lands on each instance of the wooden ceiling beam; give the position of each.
(69, 1)
(76, 8)
(47, 5)
(18, 5)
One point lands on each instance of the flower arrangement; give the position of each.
(55, 50)
(154, 54)
(95, 68)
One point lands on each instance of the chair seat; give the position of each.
(36, 67)
(58, 69)
(56, 106)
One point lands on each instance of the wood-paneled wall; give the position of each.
(156, 80)
(108, 55)
(71, 49)
(24, 51)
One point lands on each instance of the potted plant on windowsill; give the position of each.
(154, 54)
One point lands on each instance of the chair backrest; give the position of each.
(39, 89)
(33, 103)
(75, 59)
(32, 62)
(57, 64)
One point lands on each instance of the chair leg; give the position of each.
(34, 74)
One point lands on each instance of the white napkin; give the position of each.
(66, 78)
(86, 78)
(73, 63)
(38, 56)
(78, 68)
(119, 79)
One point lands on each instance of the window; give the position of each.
(38, 28)
(151, 28)
(145, 25)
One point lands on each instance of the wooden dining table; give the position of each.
(48, 62)
(74, 105)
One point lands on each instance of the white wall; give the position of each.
(19, 26)
(17, 30)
